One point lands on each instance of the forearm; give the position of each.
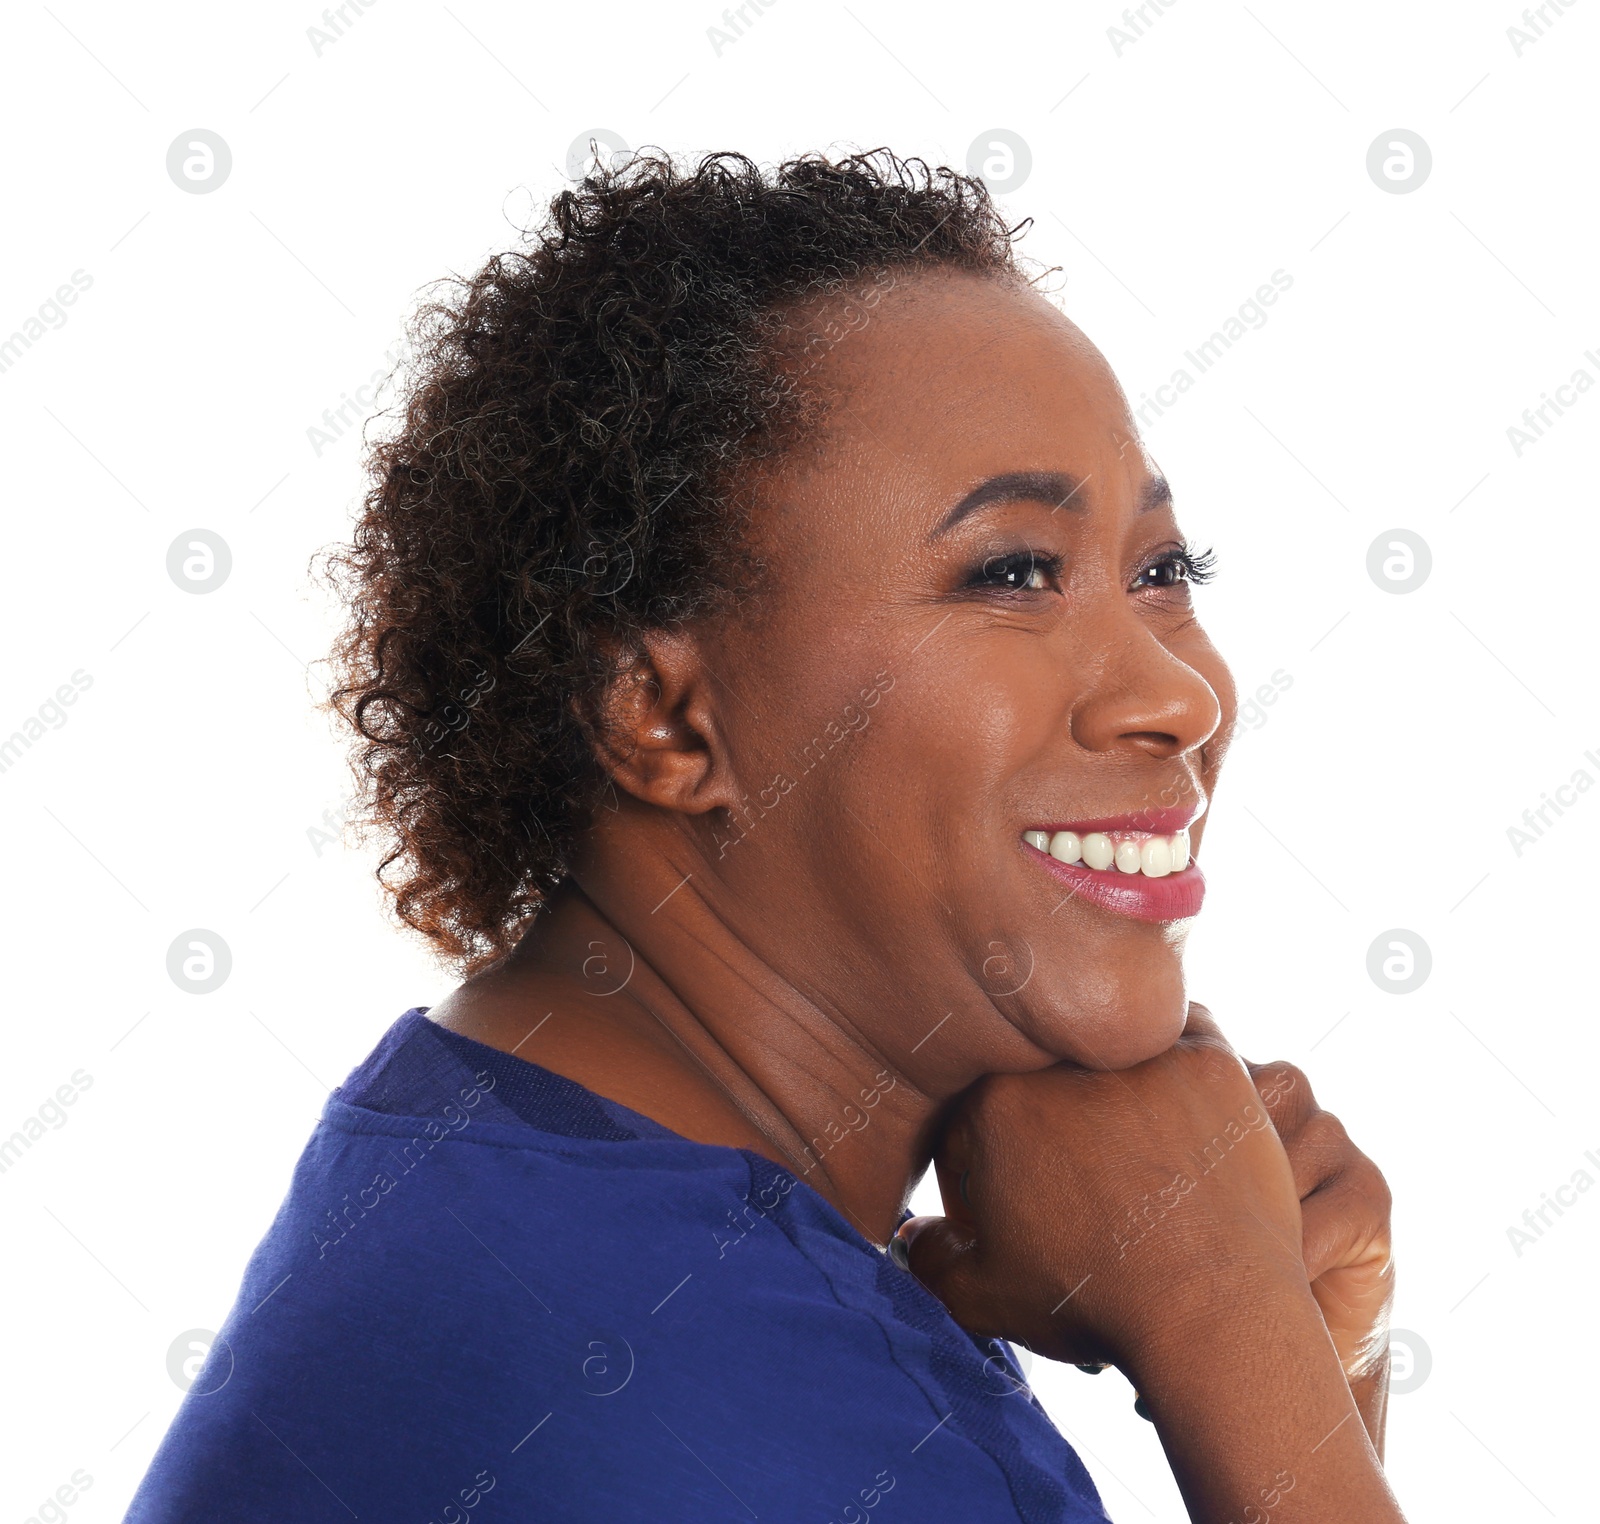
(1258, 1420)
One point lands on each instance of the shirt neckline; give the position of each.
(416, 1019)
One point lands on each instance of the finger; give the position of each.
(1286, 1093)
(954, 1162)
(1346, 1221)
(1319, 1151)
(942, 1254)
(1200, 1031)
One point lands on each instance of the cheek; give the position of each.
(981, 719)
(941, 760)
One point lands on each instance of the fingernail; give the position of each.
(900, 1252)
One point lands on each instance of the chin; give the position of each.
(1123, 1018)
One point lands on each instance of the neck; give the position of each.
(726, 1034)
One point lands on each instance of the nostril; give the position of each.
(1158, 743)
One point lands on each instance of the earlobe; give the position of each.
(653, 728)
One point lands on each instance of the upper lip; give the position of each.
(1152, 822)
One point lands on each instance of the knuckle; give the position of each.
(1369, 1180)
(1214, 1062)
(1280, 1079)
(1327, 1132)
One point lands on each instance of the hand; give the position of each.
(1091, 1213)
(1152, 1218)
(1344, 1212)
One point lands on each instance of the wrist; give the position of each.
(1222, 1319)
(1250, 1401)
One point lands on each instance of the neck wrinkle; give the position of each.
(793, 1069)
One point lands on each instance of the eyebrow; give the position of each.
(1054, 489)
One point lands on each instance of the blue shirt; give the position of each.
(493, 1295)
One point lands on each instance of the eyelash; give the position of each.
(1196, 566)
(1024, 561)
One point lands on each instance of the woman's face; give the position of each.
(934, 674)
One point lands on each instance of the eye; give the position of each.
(1177, 564)
(1020, 571)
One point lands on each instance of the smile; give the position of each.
(1116, 852)
(1124, 867)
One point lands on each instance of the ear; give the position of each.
(654, 727)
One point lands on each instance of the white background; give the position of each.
(1170, 176)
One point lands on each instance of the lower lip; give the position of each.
(1172, 898)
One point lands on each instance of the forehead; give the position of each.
(953, 374)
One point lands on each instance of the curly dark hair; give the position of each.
(561, 477)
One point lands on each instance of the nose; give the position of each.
(1143, 697)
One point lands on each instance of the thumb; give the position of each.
(943, 1256)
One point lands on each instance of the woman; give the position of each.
(779, 684)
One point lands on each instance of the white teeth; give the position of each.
(1155, 857)
(1180, 851)
(1097, 850)
(1152, 856)
(1065, 846)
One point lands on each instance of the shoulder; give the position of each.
(617, 1336)
(594, 1325)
